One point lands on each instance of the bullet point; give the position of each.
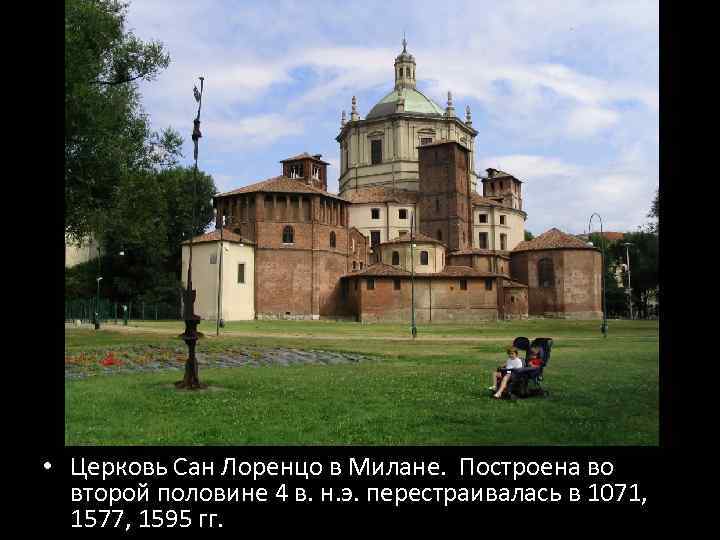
(47, 465)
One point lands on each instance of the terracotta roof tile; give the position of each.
(305, 155)
(214, 236)
(418, 237)
(552, 239)
(477, 251)
(380, 269)
(484, 201)
(279, 184)
(379, 194)
(385, 270)
(463, 271)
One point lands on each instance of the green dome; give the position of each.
(415, 102)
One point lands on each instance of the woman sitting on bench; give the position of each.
(503, 374)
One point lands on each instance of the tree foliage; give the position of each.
(107, 135)
(528, 236)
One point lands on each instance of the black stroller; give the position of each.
(526, 382)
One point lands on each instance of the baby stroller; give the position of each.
(526, 382)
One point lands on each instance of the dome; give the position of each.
(415, 102)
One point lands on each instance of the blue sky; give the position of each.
(564, 94)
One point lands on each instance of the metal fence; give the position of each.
(115, 312)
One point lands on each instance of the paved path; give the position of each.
(335, 337)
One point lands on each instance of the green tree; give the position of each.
(528, 235)
(643, 267)
(107, 135)
(654, 213)
(615, 298)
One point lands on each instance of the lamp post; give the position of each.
(97, 304)
(629, 289)
(190, 380)
(219, 294)
(604, 325)
(413, 328)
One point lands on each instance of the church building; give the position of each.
(408, 222)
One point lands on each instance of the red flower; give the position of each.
(110, 360)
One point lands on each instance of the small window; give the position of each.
(288, 235)
(395, 258)
(439, 234)
(213, 258)
(512, 299)
(354, 265)
(332, 239)
(463, 284)
(503, 242)
(482, 218)
(483, 240)
(402, 213)
(374, 238)
(437, 205)
(375, 213)
(403, 233)
(425, 140)
(502, 220)
(424, 257)
(361, 265)
(488, 284)
(370, 284)
(546, 273)
(241, 273)
(396, 284)
(376, 152)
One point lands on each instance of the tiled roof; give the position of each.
(418, 237)
(379, 194)
(504, 254)
(305, 155)
(552, 239)
(511, 283)
(214, 236)
(483, 201)
(494, 174)
(462, 271)
(385, 270)
(608, 235)
(442, 141)
(380, 269)
(279, 184)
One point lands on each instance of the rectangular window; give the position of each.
(483, 240)
(374, 238)
(463, 284)
(370, 284)
(502, 220)
(402, 213)
(503, 242)
(213, 258)
(396, 284)
(376, 152)
(375, 213)
(482, 218)
(488, 284)
(425, 140)
(241, 273)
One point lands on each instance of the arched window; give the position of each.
(437, 205)
(423, 257)
(396, 258)
(546, 273)
(288, 235)
(332, 239)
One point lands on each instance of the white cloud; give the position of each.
(587, 121)
(253, 130)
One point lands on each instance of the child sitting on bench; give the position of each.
(503, 374)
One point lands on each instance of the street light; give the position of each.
(629, 289)
(97, 304)
(604, 325)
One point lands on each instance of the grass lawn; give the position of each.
(603, 391)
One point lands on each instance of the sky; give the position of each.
(564, 94)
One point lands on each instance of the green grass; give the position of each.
(603, 391)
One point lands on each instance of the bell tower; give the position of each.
(503, 188)
(308, 169)
(404, 68)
